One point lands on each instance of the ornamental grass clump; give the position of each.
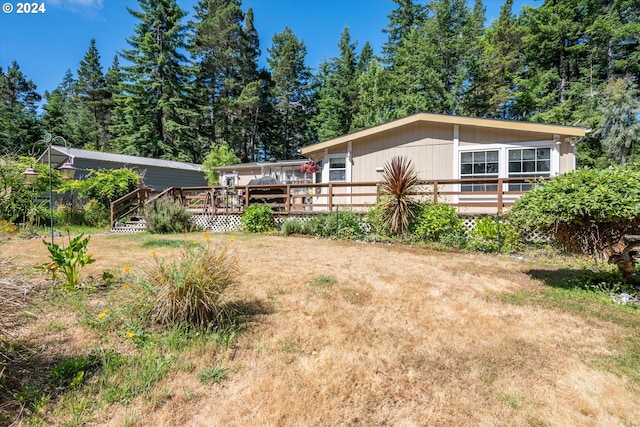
(191, 288)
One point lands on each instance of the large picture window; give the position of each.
(528, 162)
(338, 169)
(479, 164)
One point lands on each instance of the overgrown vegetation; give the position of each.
(166, 216)
(587, 211)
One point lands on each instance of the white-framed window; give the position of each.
(337, 169)
(528, 163)
(479, 164)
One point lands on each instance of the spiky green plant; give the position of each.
(398, 206)
(191, 288)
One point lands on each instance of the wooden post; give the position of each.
(435, 191)
(330, 198)
(289, 199)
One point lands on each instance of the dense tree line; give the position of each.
(184, 88)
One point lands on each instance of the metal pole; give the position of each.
(498, 230)
(50, 191)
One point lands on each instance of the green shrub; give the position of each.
(190, 289)
(167, 216)
(343, 225)
(105, 185)
(66, 215)
(257, 219)
(434, 221)
(292, 226)
(484, 236)
(586, 211)
(377, 226)
(95, 214)
(315, 226)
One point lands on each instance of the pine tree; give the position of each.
(338, 91)
(291, 95)
(153, 118)
(19, 126)
(406, 17)
(94, 97)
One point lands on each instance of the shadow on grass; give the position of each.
(585, 279)
(31, 377)
(240, 314)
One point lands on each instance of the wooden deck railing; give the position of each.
(467, 195)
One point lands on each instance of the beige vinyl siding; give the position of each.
(477, 135)
(428, 145)
(567, 157)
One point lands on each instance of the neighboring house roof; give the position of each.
(59, 152)
(446, 119)
(253, 165)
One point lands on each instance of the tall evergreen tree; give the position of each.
(407, 16)
(338, 91)
(19, 126)
(94, 98)
(153, 118)
(58, 117)
(493, 87)
(225, 47)
(291, 94)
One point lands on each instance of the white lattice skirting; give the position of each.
(231, 222)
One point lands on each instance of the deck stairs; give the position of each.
(133, 225)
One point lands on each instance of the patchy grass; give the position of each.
(328, 333)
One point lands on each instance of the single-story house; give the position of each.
(285, 171)
(157, 174)
(443, 147)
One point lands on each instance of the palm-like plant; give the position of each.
(399, 180)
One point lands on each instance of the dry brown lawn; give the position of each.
(359, 334)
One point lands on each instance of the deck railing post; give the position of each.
(435, 192)
(330, 198)
(289, 199)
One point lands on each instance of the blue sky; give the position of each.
(47, 44)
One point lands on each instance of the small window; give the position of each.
(479, 164)
(528, 163)
(338, 169)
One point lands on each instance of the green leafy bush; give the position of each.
(190, 289)
(69, 261)
(343, 225)
(586, 211)
(484, 236)
(257, 219)
(377, 226)
(292, 226)
(105, 185)
(167, 216)
(435, 221)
